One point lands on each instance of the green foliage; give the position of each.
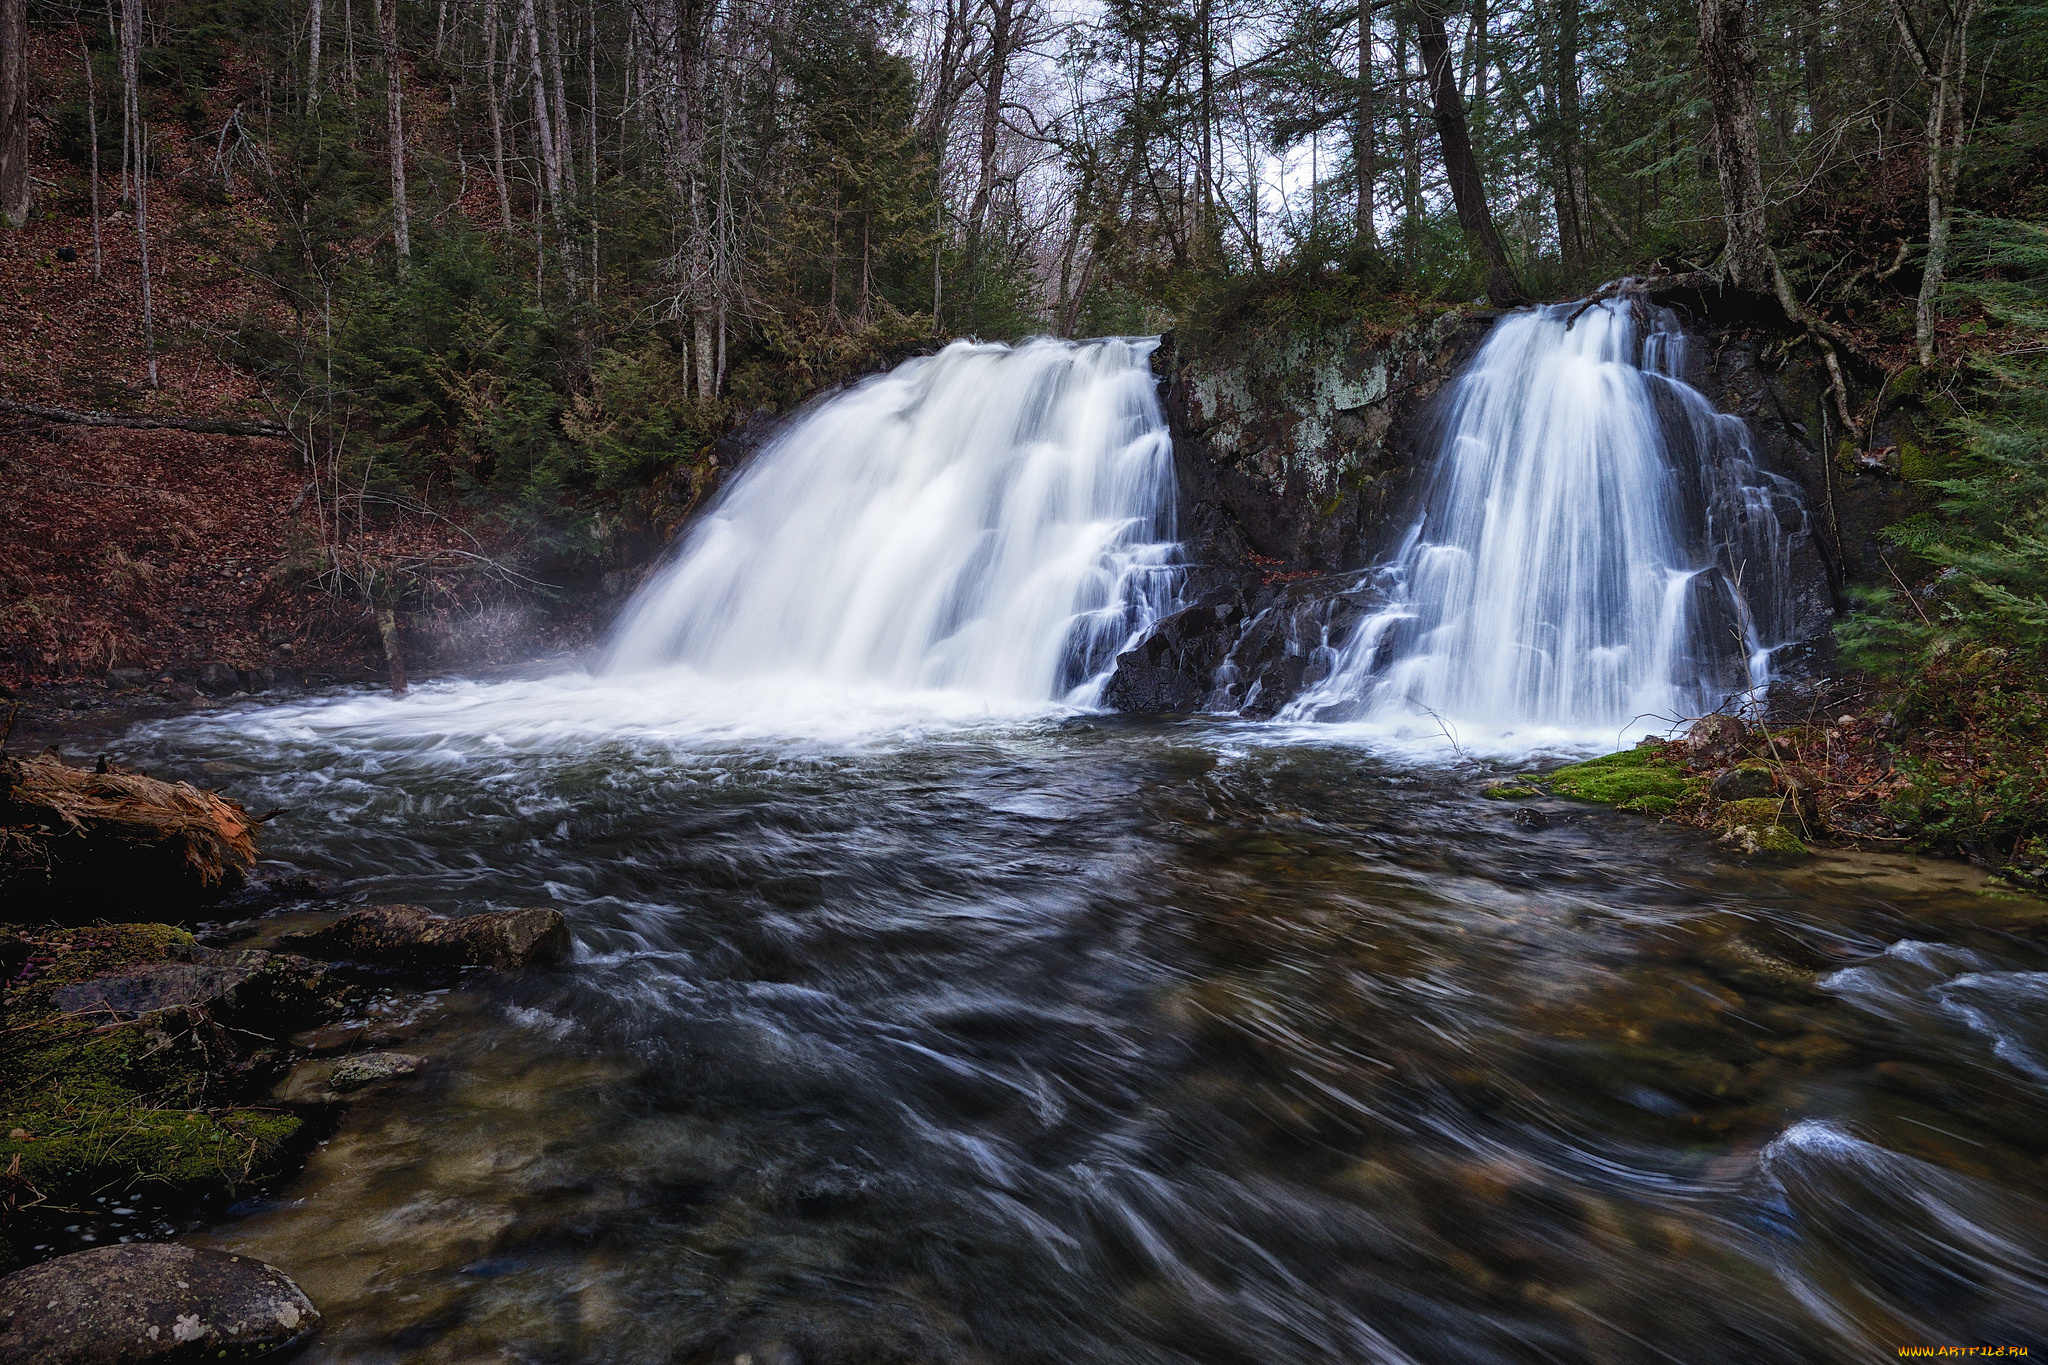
(639, 416)
(1988, 536)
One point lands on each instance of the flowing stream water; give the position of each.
(921, 1014)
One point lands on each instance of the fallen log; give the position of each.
(76, 839)
(217, 426)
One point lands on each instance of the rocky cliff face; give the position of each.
(1296, 457)
(1299, 449)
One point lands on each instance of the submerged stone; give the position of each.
(407, 935)
(136, 1303)
(366, 1068)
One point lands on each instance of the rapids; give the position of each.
(1065, 1040)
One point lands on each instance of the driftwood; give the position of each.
(145, 421)
(75, 833)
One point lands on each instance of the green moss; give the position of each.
(1758, 812)
(85, 1147)
(1778, 839)
(100, 1104)
(1650, 805)
(1620, 778)
(1509, 793)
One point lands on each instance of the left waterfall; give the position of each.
(993, 520)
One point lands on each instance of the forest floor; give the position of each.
(155, 551)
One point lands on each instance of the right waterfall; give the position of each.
(1595, 546)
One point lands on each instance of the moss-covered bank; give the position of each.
(90, 1100)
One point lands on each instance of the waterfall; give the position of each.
(1596, 546)
(993, 520)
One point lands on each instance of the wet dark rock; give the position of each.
(127, 679)
(1250, 648)
(1174, 667)
(1529, 818)
(408, 935)
(217, 679)
(367, 1068)
(140, 1303)
(250, 989)
(1716, 741)
(1742, 783)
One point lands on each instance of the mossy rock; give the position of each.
(1620, 778)
(98, 1103)
(1509, 793)
(1758, 812)
(1779, 840)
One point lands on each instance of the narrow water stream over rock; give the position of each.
(931, 1035)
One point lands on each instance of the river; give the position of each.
(904, 1030)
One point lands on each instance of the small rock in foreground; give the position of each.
(407, 935)
(138, 1303)
(365, 1068)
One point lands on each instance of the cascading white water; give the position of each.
(992, 520)
(1596, 546)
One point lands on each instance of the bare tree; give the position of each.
(137, 153)
(1942, 55)
(315, 15)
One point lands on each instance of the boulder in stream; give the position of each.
(140, 1303)
(409, 935)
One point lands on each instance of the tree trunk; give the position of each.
(394, 124)
(1411, 150)
(394, 657)
(1727, 49)
(565, 141)
(92, 133)
(315, 11)
(1468, 190)
(1362, 151)
(14, 179)
(551, 165)
(1572, 207)
(138, 155)
(494, 96)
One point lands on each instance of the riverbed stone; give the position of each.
(367, 1068)
(141, 1303)
(410, 935)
